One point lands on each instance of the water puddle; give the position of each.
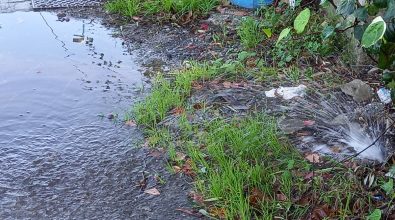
(58, 159)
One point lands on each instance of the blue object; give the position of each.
(251, 3)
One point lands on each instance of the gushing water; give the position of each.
(343, 126)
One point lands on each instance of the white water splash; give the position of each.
(343, 124)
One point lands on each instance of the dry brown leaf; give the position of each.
(178, 110)
(336, 149)
(281, 197)
(256, 197)
(136, 18)
(197, 198)
(313, 158)
(197, 106)
(152, 191)
(218, 212)
(176, 169)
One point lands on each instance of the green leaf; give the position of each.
(375, 215)
(322, 2)
(328, 31)
(359, 30)
(387, 59)
(361, 14)
(284, 33)
(388, 187)
(372, 10)
(374, 32)
(380, 3)
(390, 32)
(268, 32)
(301, 20)
(346, 7)
(390, 14)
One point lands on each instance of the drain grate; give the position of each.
(47, 4)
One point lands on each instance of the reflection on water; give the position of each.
(57, 158)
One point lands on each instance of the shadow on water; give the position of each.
(58, 159)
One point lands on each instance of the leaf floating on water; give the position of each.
(152, 191)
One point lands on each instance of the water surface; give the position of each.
(58, 158)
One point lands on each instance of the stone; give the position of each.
(374, 70)
(359, 90)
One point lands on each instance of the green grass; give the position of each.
(166, 95)
(245, 155)
(233, 159)
(130, 8)
(250, 33)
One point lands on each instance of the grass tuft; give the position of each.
(130, 8)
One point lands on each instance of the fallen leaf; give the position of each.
(204, 27)
(197, 106)
(313, 158)
(256, 197)
(136, 18)
(152, 191)
(281, 197)
(227, 84)
(308, 175)
(218, 212)
(130, 123)
(197, 198)
(321, 212)
(187, 168)
(176, 169)
(336, 149)
(178, 110)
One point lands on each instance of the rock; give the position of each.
(359, 90)
(374, 70)
(289, 126)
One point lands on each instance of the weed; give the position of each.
(129, 8)
(293, 73)
(250, 33)
(166, 95)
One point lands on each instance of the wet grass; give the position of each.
(130, 8)
(244, 168)
(169, 94)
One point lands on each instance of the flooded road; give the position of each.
(58, 158)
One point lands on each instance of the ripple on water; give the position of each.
(57, 158)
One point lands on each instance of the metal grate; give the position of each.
(45, 4)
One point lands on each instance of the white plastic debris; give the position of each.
(384, 95)
(287, 92)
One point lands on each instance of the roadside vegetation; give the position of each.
(242, 166)
(130, 8)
